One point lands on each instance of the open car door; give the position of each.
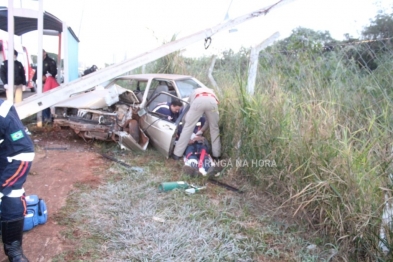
(161, 131)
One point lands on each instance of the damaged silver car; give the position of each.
(122, 110)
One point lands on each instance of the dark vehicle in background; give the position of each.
(90, 70)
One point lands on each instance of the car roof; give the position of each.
(150, 76)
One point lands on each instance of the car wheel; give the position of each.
(133, 129)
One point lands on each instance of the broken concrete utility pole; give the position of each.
(253, 65)
(39, 102)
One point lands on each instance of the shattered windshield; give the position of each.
(186, 87)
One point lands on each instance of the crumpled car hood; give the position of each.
(96, 99)
(94, 103)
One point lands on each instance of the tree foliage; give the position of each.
(379, 33)
(305, 39)
(380, 28)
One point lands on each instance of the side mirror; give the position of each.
(141, 112)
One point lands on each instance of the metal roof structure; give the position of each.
(26, 24)
(19, 21)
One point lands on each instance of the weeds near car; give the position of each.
(331, 142)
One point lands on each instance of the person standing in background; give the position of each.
(19, 79)
(49, 72)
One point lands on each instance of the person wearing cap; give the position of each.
(16, 157)
(203, 101)
(19, 79)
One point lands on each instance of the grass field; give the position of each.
(128, 219)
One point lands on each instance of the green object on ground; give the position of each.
(168, 186)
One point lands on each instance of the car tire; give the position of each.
(133, 129)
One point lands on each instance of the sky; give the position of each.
(110, 31)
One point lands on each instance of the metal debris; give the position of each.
(226, 186)
(137, 169)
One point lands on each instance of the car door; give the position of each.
(161, 131)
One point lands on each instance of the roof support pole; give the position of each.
(10, 52)
(59, 71)
(40, 28)
(65, 54)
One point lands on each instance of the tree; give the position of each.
(379, 33)
(380, 28)
(303, 39)
(376, 39)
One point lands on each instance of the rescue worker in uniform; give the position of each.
(19, 79)
(203, 101)
(16, 157)
(170, 109)
(173, 110)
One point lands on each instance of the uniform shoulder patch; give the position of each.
(17, 135)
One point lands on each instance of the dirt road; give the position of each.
(62, 159)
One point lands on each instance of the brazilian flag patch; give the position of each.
(17, 135)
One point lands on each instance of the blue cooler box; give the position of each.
(36, 214)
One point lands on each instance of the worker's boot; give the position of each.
(216, 158)
(12, 233)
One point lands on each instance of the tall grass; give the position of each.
(327, 126)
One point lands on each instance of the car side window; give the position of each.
(161, 85)
(141, 86)
(155, 96)
(186, 87)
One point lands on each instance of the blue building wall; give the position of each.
(73, 55)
